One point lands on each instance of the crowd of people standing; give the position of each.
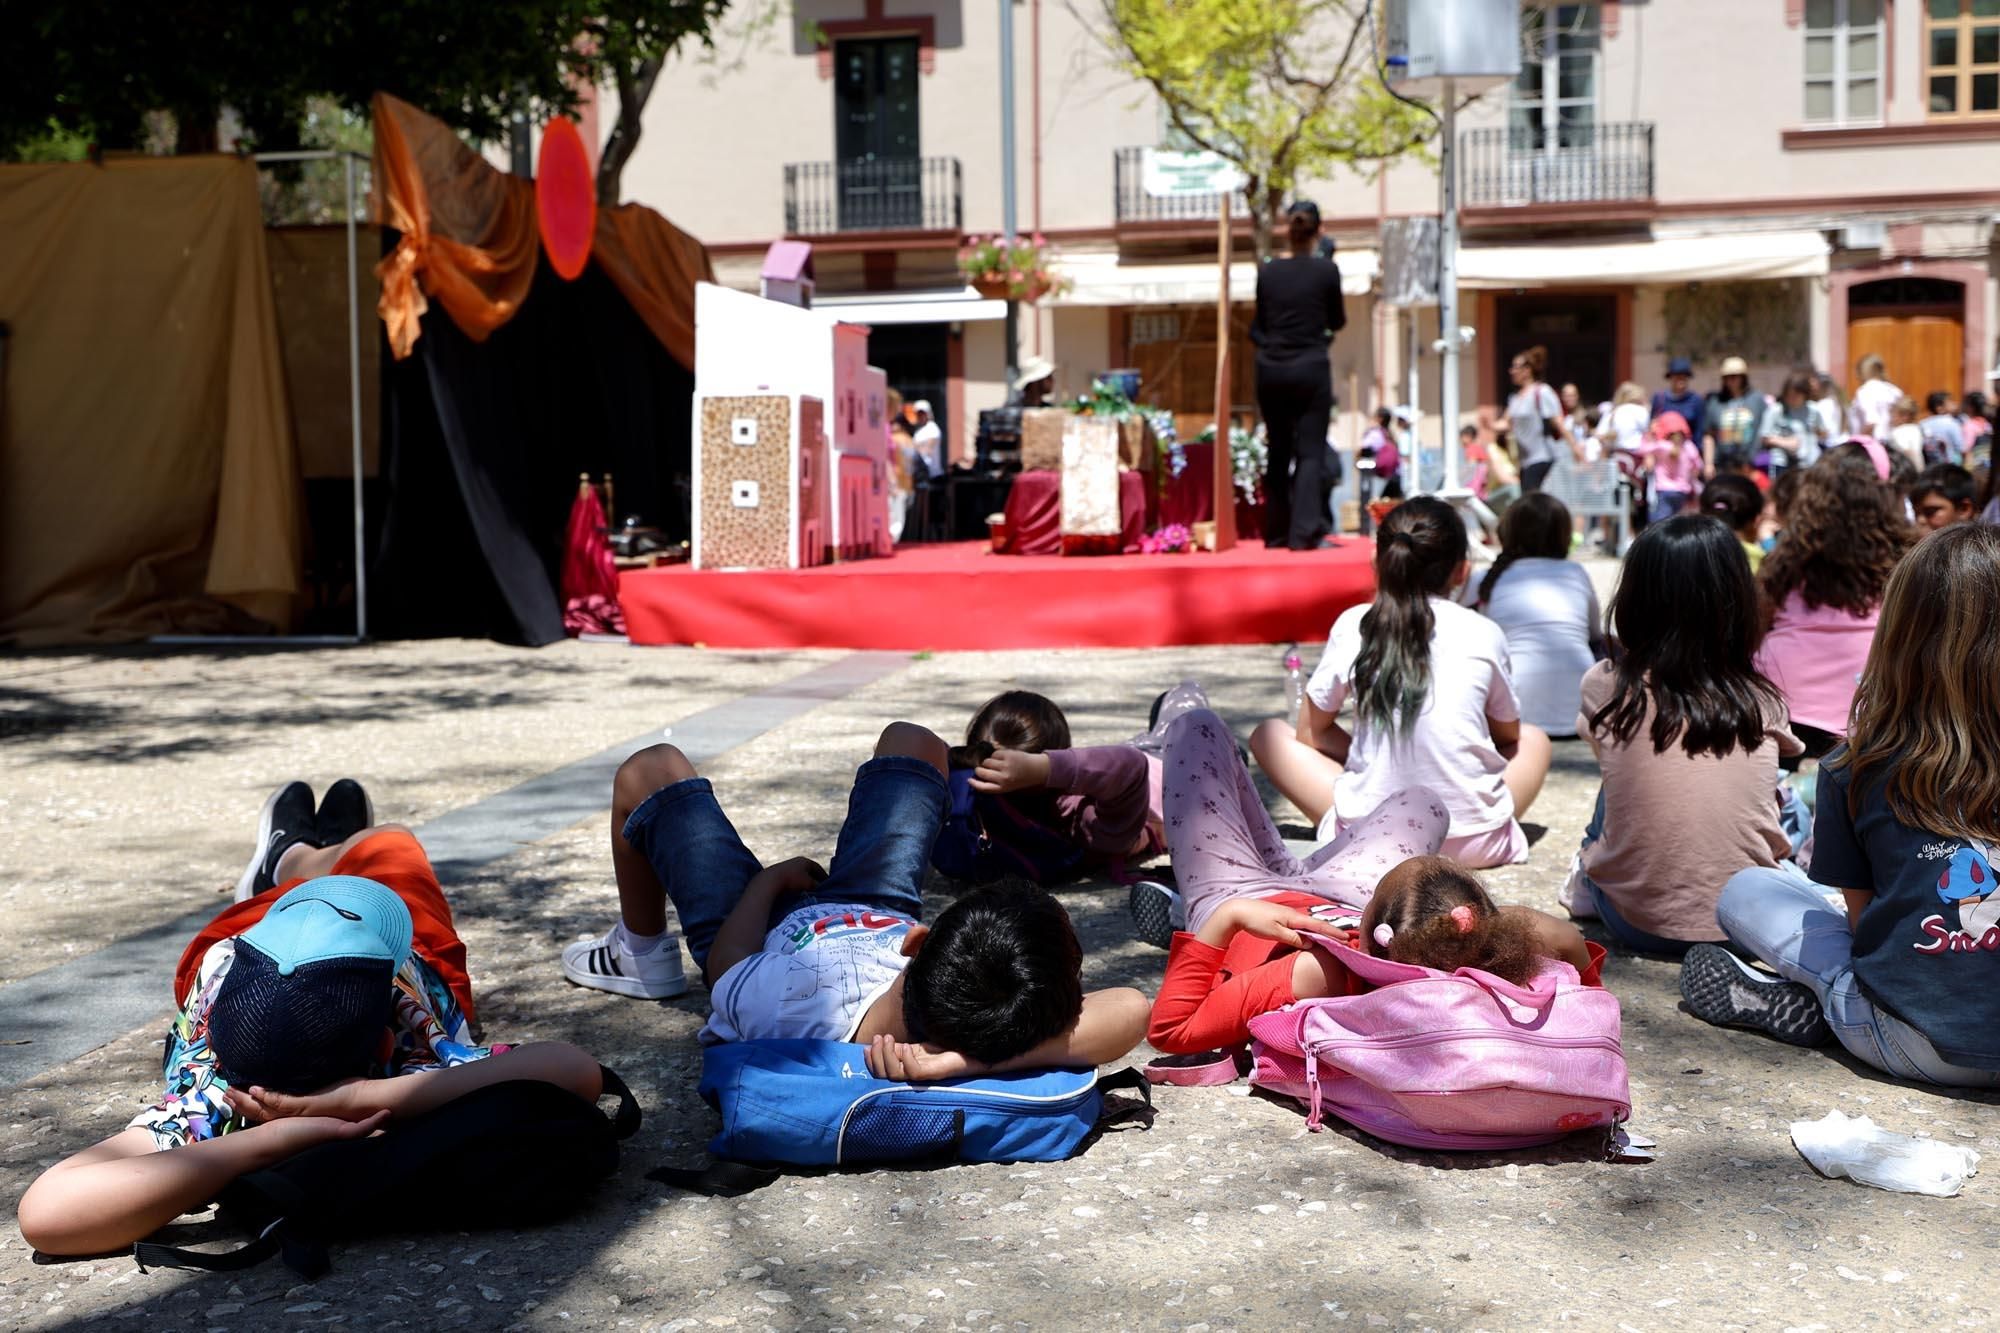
(1673, 445)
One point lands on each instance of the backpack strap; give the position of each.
(720, 1179)
(1128, 1079)
(307, 1258)
(625, 1121)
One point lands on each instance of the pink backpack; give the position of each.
(1464, 1059)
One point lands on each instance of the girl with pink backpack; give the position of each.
(1247, 929)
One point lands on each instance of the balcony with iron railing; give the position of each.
(875, 194)
(1529, 165)
(1131, 204)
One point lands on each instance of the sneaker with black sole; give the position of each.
(1157, 912)
(1721, 988)
(607, 963)
(344, 811)
(288, 819)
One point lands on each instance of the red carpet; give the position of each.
(960, 596)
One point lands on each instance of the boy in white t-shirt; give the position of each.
(792, 950)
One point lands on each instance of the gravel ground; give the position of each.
(145, 770)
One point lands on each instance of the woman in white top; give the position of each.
(1535, 416)
(1434, 703)
(1874, 403)
(1624, 428)
(1546, 605)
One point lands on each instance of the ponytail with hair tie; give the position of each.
(1419, 545)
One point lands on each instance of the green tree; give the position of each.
(100, 68)
(1282, 89)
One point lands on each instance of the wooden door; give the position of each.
(1919, 352)
(1173, 349)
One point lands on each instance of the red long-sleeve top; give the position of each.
(1209, 995)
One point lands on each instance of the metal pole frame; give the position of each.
(1007, 219)
(360, 634)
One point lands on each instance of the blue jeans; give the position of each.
(894, 815)
(1787, 922)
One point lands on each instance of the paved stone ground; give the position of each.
(128, 788)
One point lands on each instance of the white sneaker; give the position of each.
(607, 963)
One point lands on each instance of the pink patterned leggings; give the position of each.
(1224, 844)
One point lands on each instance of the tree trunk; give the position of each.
(197, 130)
(634, 87)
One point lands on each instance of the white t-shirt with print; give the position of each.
(1528, 413)
(1450, 750)
(822, 966)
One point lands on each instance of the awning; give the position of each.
(959, 305)
(1101, 280)
(1740, 257)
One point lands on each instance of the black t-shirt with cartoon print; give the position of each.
(1928, 947)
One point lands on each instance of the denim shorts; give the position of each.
(894, 815)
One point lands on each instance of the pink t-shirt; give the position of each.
(1676, 467)
(1815, 655)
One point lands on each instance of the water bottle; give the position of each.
(1295, 684)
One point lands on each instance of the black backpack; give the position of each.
(509, 1155)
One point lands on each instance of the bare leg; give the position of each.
(642, 899)
(1301, 774)
(1528, 761)
(303, 862)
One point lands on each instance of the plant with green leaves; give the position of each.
(99, 72)
(1281, 89)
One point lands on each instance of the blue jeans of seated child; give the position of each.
(1793, 817)
(1786, 920)
(894, 815)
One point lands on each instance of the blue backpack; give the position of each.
(800, 1102)
(989, 837)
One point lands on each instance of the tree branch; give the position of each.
(635, 86)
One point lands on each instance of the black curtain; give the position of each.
(482, 445)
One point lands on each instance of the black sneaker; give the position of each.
(1157, 912)
(344, 811)
(1721, 988)
(287, 821)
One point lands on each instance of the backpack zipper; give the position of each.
(966, 1100)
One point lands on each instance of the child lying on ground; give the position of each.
(1246, 898)
(1027, 803)
(339, 969)
(791, 950)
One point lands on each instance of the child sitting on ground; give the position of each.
(1738, 502)
(1434, 703)
(791, 950)
(1245, 898)
(1942, 495)
(337, 970)
(1689, 736)
(1907, 830)
(1026, 803)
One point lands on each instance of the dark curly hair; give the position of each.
(1844, 534)
(1416, 900)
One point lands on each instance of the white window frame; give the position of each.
(1841, 78)
(1547, 55)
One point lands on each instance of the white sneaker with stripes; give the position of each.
(608, 964)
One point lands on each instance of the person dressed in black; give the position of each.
(1299, 309)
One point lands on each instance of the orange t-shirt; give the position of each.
(392, 858)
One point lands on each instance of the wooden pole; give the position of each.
(1225, 470)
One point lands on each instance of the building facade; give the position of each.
(1792, 181)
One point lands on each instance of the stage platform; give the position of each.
(960, 596)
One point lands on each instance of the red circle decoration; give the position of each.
(565, 197)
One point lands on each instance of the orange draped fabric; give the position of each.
(470, 238)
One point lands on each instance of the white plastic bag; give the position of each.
(1863, 1151)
